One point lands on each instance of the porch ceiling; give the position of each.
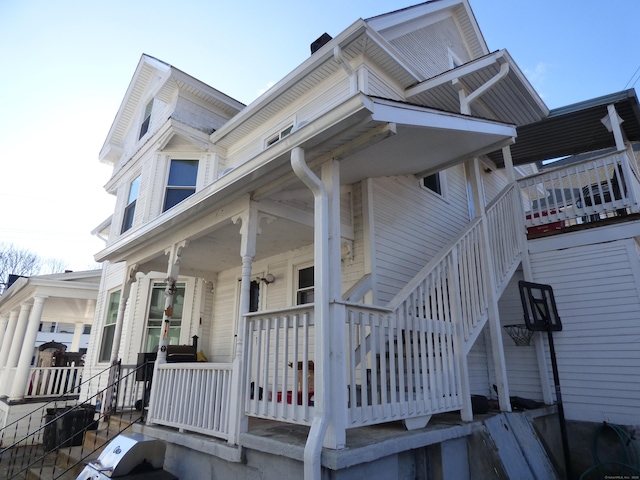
(408, 139)
(512, 100)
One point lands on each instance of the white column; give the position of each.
(497, 347)
(335, 437)
(18, 336)
(26, 354)
(248, 239)
(7, 338)
(78, 328)
(4, 320)
(7, 341)
(173, 271)
(130, 277)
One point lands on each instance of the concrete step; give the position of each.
(67, 463)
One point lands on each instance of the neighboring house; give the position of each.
(39, 316)
(348, 246)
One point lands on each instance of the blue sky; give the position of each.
(66, 65)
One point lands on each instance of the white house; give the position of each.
(37, 312)
(348, 246)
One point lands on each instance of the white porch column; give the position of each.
(7, 338)
(248, 239)
(497, 347)
(335, 437)
(15, 346)
(173, 271)
(7, 341)
(129, 278)
(26, 353)
(78, 328)
(538, 337)
(4, 320)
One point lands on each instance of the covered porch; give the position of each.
(342, 361)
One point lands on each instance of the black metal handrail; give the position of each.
(84, 412)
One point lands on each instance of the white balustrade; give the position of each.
(280, 364)
(192, 396)
(53, 381)
(584, 191)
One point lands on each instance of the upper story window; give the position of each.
(305, 290)
(279, 136)
(130, 209)
(181, 183)
(144, 128)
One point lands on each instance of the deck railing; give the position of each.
(192, 396)
(582, 192)
(409, 367)
(280, 364)
(53, 381)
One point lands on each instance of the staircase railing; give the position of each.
(59, 423)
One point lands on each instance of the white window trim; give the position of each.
(104, 324)
(444, 190)
(187, 309)
(296, 269)
(278, 133)
(199, 176)
(143, 118)
(138, 176)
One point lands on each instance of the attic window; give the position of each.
(276, 138)
(433, 183)
(144, 128)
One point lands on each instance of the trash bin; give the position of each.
(65, 427)
(129, 457)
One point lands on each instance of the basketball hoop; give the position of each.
(520, 334)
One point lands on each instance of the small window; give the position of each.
(279, 136)
(304, 291)
(433, 183)
(86, 330)
(130, 209)
(109, 328)
(144, 128)
(182, 182)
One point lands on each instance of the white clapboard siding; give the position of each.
(411, 226)
(436, 38)
(522, 364)
(479, 382)
(595, 287)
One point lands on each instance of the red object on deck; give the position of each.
(546, 227)
(290, 399)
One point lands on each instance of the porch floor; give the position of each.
(364, 444)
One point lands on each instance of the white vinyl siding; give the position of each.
(437, 39)
(412, 225)
(598, 357)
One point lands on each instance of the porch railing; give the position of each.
(280, 368)
(584, 191)
(192, 396)
(53, 381)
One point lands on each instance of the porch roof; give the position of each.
(574, 129)
(428, 139)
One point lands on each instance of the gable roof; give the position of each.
(167, 79)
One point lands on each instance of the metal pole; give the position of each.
(563, 424)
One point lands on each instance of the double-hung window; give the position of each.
(130, 209)
(156, 311)
(181, 183)
(109, 329)
(146, 120)
(305, 287)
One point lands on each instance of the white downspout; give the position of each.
(467, 100)
(313, 447)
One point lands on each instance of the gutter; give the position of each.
(320, 422)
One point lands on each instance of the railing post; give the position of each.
(466, 413)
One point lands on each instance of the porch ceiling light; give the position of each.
(268, 278)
